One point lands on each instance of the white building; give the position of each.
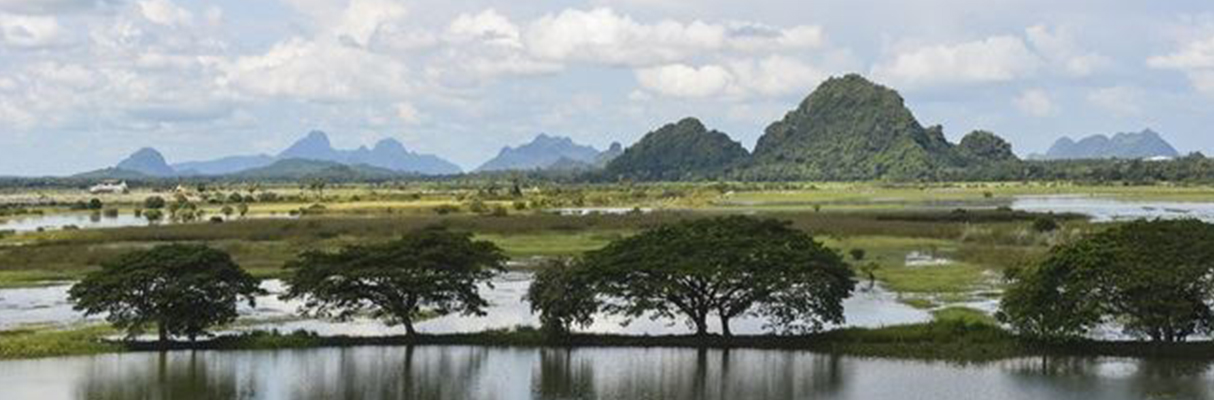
(109, 187)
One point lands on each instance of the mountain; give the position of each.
(1145, 144)
(391, 154)
(852, 129)
(985, 147)
(388, 154)
(314, 146)
(610, 154)
(146, 161)
(223, 166)
(542, 152)
(681, 151)
(301, 169)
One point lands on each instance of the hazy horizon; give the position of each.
(84, 83)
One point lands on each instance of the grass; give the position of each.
(28, 278)
(964, 315)
(553, 243)
(40, 343)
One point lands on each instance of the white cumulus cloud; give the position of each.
(603, 36)
(164, 12)
(994, 59)
(1195, 59)
(30, 31)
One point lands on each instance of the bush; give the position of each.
(1045, 224)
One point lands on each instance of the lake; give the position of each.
(31, 223)
(1103, 209)
(503, 373)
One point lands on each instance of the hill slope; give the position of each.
(852, 129)
(146, 161)
(681, 151)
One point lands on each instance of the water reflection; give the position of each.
(463, 372)
(1121, 378)
(190, 375)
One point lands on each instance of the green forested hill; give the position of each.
(853, 129)
(681, 151)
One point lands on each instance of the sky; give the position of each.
(83, 83)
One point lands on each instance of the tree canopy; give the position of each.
(1154, 278)
(182, 289)
(564, 295)
(432, 270)
(727, 266)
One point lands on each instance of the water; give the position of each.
(499, 373)
(31, 223)
(49, 306)
(1103, 209)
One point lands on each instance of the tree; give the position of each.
(227, 211)
(153, 215)
(432, 270)
(242, 209)
(1156, 278)
(95, 204)
(154, 203)
(564, 295)
(182, 289)
(727, 266)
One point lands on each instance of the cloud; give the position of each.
(770, 76)
(603, 36)
(30, 31)
(1060, 49)
(51, 7)
(317, 71)
(1120, 100)
(164, 12)
(680, 80)
(1035, 102)
(994, 59)
(488, 27)
(362, 20)
(1195, 59)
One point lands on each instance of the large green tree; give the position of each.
(182, 289)
(1154, 278)
(564, 294)
(432, 270)
(727, 267)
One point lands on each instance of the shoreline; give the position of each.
(948, 341)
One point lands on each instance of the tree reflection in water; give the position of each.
(1115, 378)
(184, 375)
(685, 374)
(396, 373)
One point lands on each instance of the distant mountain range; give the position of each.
(1141, 145)
(848, 128)
(544, 152)
(388, 155)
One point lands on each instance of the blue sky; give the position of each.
(85, 82)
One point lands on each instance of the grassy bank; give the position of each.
(957, 334)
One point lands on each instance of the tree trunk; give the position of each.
(701, 322)
(408, 321)
(163, 331)
(725, 326)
